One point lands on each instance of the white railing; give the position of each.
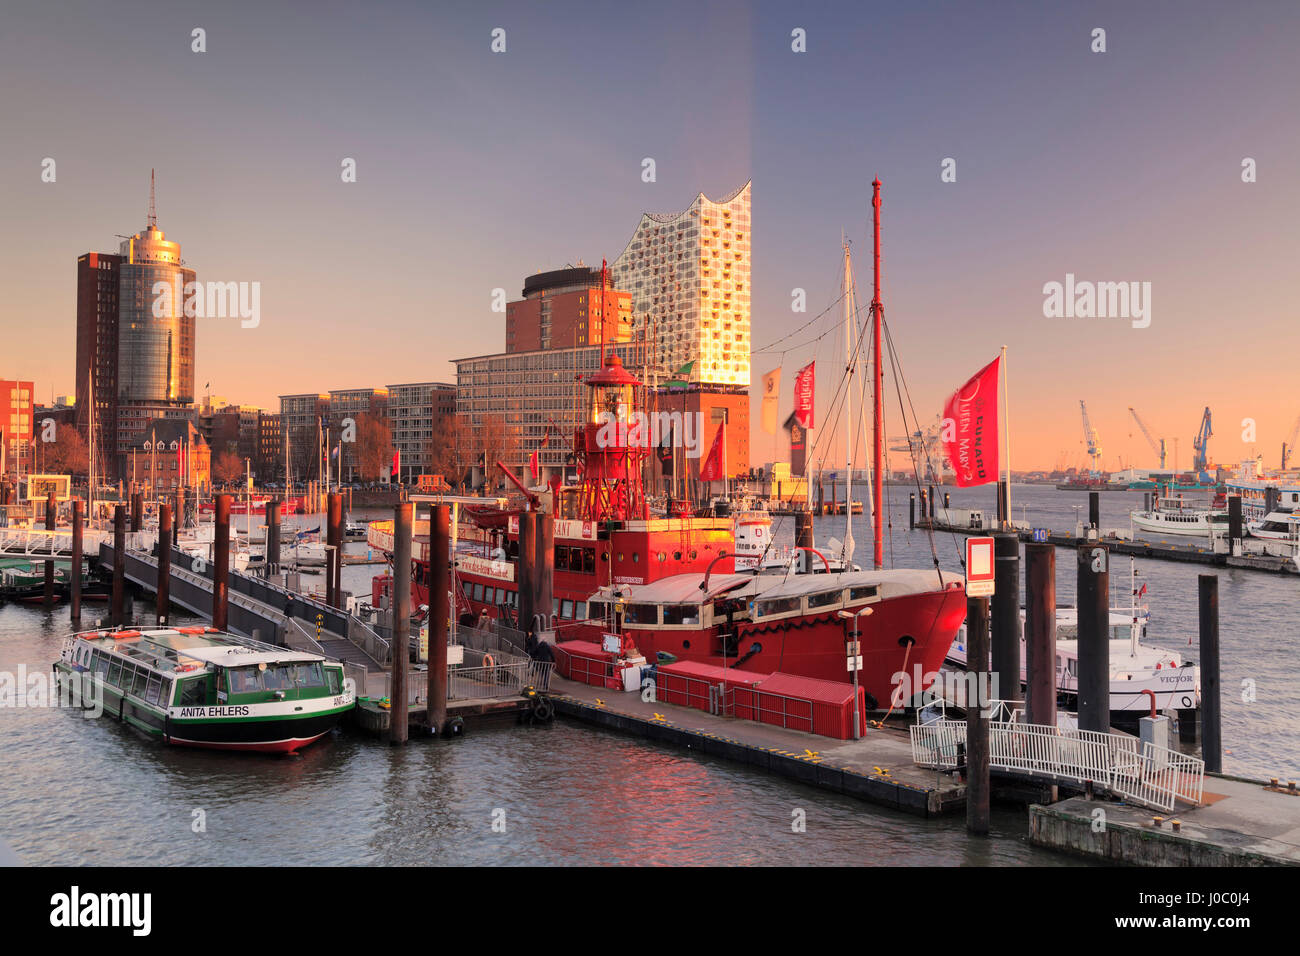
(1162, 778)
(935, 744)
(1153, 776)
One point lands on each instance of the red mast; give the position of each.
(877, 313)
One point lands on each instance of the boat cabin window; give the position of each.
(681, 614)
(776, 606)
(641, 614)
(825, 599)
(153, 690)
(333, 680)
(101, 664)
(478, 592)
(193, 692)
(141, 681)
(579, 610)
(566, 609)
(862, 593)
(115, 672)
(468, 588)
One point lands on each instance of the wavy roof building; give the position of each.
(688, 273)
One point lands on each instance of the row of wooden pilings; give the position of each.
(168, 538)
(993, 634)
(536, 568)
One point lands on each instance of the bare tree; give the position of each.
(452, 451)
(66, 455)
(227, 468)
(374, 446)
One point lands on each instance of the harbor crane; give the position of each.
(1158, 449)
(1288, 446)
(1200, 456)
(1090, 437)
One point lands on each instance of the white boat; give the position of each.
(1176, 516)
(1277, 525)
(1135, 667)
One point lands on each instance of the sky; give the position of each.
(476, 169)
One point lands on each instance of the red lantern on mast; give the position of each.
(611, 447)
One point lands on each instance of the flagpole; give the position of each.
(1006, 431)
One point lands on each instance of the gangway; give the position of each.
(1149, 775)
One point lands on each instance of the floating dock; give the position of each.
(1160, 550)
(878, 768)
(1240, 823)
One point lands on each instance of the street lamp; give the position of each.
(855, 663)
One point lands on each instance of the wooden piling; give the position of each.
(119, 565)
(911, 511)
(399, 713)
(334, 546)
(1211, 706)
(1094, 509)
(51, 524)
(137, 511)
(1093, 597)
(439, 611)
(178, 516)
(527, 566)
(932, 503)
(272, 561)
(78, 530)
(544, 579)
(221, 565)
(1005, 608)
(1040, 633)
(1235, 531)
(164, 562)
(977, 725)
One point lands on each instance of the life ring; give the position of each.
(488, 661)
(543, 710)
(1187, 702)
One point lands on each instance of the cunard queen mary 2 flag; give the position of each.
(970, 428)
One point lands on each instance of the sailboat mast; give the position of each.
(877, 442)
(851, 359)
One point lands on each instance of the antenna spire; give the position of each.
(153, 211)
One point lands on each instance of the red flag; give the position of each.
(534, 466)
(803, 395)
(397, 462)
(712, 469)
(970, 428)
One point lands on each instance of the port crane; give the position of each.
(1288, 446)
(1158, 449)
(1090, 437)
(1200, 457)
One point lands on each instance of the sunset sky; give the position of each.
(476, 169)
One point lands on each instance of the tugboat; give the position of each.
(199, 687)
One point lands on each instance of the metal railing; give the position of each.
(1152, 776)
(380, 650)
(935, 744)
(475, 683)
(301, 639)
(503, 680)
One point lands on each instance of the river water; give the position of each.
(93, 791)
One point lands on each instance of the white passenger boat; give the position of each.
(1180, 517)
(1135, 666)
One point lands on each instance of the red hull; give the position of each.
(270, 747)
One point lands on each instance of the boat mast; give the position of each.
(851, 361)
(877, 443)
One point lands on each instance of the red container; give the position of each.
(689, 684)
(584, 662)
(814, 706)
